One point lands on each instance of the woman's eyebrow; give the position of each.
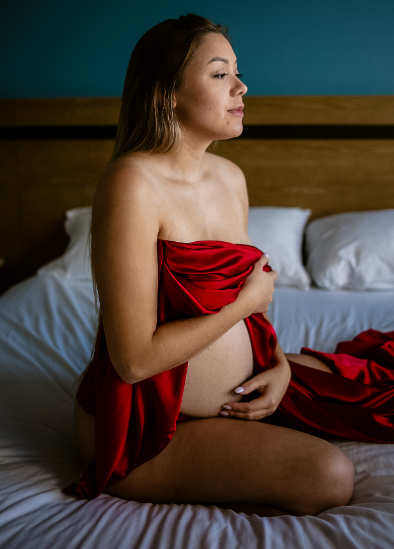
(219, 59)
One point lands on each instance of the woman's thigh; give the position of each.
(230, 460)
(308, 360)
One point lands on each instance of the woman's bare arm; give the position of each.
(125, 225)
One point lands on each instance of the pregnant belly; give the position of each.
(213, 375)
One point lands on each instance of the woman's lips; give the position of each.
(237, 112)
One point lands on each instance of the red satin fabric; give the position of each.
(135, 422)
(357, 402)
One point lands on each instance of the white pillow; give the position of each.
(75, 262)
(352, 250)
(279, 232)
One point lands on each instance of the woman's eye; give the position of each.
(223, 74)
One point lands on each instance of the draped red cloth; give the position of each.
(135, 422)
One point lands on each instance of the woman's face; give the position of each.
(209, 93)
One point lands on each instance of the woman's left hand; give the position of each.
(271, 384)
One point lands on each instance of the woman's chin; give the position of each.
(234, 131)
(237, 132)
(240, 129)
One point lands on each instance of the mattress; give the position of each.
(47, 329)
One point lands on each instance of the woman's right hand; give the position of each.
(258, 287)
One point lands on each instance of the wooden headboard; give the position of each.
(329, 154)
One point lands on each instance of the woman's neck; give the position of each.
(185, 163)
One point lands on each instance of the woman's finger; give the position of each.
(249, 410)
(260, 404)
(263, 260)
(250, 416)
(259, 381)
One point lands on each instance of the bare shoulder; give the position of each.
(230, 175)
(124, 179)
(217, 162)
(126, 192)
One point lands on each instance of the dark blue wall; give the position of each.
(80, 48)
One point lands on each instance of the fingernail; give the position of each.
(224, 413)
(227, 407)
(239, 390)
(267, 255)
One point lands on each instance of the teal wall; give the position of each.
(80, 48)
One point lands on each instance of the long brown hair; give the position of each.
(147, 122)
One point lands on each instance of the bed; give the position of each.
(325, 156)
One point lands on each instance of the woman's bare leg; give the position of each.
(308, 360)
(247, 466)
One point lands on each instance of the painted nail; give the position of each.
(267, 255)
(224, 413)
(239, 390)
(227, 407)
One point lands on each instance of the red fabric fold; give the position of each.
(134, 423)
(356, 402)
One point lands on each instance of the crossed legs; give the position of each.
(247, 466)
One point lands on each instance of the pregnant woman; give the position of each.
(186, 361)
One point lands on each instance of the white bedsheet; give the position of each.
(46, 334)
(319, 319)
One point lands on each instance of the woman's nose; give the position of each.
(241, 88)
(244, 89)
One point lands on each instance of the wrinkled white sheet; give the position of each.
(319, 319)
(46, 335)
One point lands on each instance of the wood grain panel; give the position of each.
(42, 233)
(63, 112)
(258, 110)
(54, 176)
(9, 201)
(10, 238)
(319, 110)
(39, 182)
(41, 202)
(63, 160)
(7, 112)
(326, 176)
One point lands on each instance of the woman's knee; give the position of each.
(340, 477)
(333, 482)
